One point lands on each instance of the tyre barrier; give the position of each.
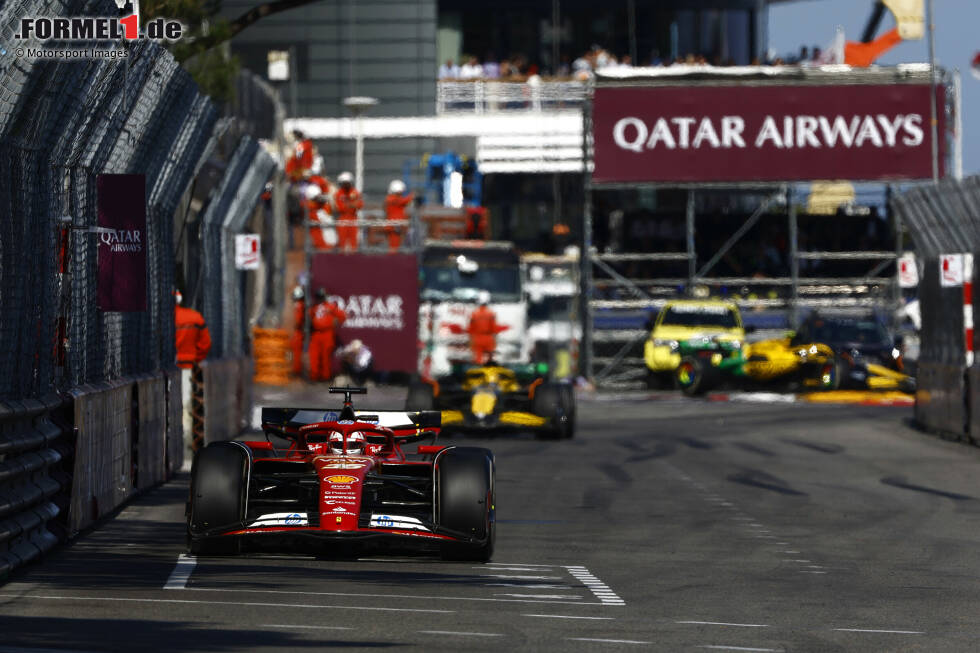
(273, 364)
(32, 483)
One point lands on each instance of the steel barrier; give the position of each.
(944, 222)
(226, 385)
(151, 422)
(103, 474)
(32, 483)
(175, 426)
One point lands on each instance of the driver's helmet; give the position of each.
(355, 443)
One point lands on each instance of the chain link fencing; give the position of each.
(944, 222)
(71, 375)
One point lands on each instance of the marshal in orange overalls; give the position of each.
(327, 318)
(483, 330)
(193, 337)
(348, 202)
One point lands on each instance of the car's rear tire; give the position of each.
(556, 401)
(219, 482)
(420, 397)
(695, 376)
(466, 501)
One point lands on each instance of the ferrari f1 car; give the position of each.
(491, 397)
(343, 482)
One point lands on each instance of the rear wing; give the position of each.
(287, 419)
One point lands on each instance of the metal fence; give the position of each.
(492, 96)
(74, 380)
(944, 222)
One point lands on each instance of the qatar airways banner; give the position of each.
(121, 201)
(763, 133)
(380, 295)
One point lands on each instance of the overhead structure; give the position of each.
(755, 134)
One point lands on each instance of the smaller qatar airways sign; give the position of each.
(380, 295)
(763, 133)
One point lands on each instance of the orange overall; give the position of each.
(347, 201)
(312, 209)
(193, 337)
(296, 342)
(298, 165)
(395, 205)
(483, 330)
(327, 318)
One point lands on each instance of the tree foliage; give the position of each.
(202, 50)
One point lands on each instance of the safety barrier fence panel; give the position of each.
(103, 446)
(32, 483)
(226, 385)
(175, 426)
(944, 222)
(151, 400)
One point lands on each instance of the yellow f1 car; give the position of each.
(494, 398)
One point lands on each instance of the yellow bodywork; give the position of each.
(884, 378)
(502, 377)
(770, 359)
(510, 417)
(664, 358)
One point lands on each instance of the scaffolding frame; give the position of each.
(610, 371)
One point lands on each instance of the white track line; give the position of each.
(737, 648)
(872, 630)
(375, 596)
(291, 626)
(461, 634)
(723, 623)
(605, 641)
(181, 573)
(51, 597)
(562, 616)
(596, 586)
(509, 577)
(540, 596)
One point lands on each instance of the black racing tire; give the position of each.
(556, 402)
(420, 397)
(219, 483)
(833, 368)
(465, 501)
(695, 376)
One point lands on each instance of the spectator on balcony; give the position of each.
(448, 70)
(471, 69)
(491, 69)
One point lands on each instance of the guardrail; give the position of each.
(491, 96)
(32, 484)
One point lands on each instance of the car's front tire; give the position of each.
(466, 501)
(556, 401)
(219, 482)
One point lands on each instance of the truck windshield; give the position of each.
(445, 282)
(696, 316)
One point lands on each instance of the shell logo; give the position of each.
(341, 479)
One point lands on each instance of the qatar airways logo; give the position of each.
(121, 240)
(372, 312)
(783, 132)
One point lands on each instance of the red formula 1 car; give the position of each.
(343, 483)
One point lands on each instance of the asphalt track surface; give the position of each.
(665, 525)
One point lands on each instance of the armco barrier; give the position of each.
(31, 481)
(941, 401)
(151, 458)
(102, 479)
(175, 423)
(227, 389)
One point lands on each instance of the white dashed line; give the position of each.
(605, 641)
(181, 573)
(459, 634)
(401, 596)
(723, 623)
(872, 630)
(506, 577)
(737, 648)
(291, 626)
(540, 596)
(596, 586)
(563, 616)
(50, 597)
